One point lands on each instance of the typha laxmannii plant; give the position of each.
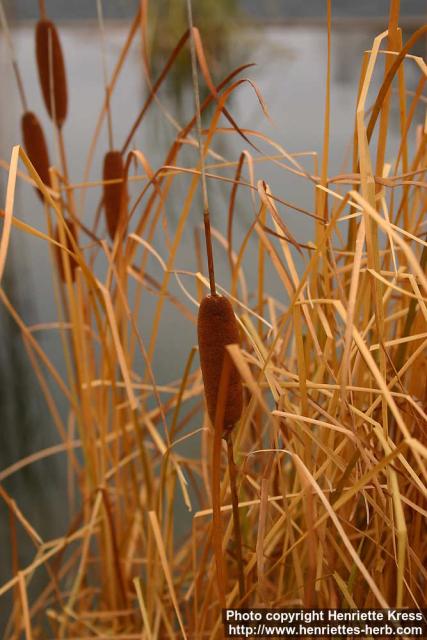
(32, 132)
(216, 328)
(53, 84)
(114, 173)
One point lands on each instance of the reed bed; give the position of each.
(328, 395)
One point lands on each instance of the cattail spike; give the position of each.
(36, 147)
(113, 193)
(217, 327)
(51, 68)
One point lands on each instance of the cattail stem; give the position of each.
(232, 472)
(64, 165)
(42, 9)
(109, 119)
(105, 73)
(206, 214)
(20, 84)
(221, 569)
(209, 251)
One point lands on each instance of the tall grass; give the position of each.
(330, 448)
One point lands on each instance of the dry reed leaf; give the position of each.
(144, 614)
(397, 239)
(262, 521)
(163, 558)
(118, 347)
(54, 547)
(165, 450)
(303, 469)
(404, 292)
(20, 517)
(65, 259)
(321, 423)
(24, 605)
(8, 210)
(34, 344)
(419, 33)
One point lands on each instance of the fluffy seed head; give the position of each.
(113, 170)
(36, 147)
(62, 255)
(217, 327)
(50, 64)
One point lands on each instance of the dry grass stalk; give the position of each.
(64, 256)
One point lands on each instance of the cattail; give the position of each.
(217, 327)
(61, 255)
(113, 193)
(50, 63)
(36, 147)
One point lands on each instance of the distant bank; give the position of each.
(268, 10)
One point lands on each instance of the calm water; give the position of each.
(290, 73)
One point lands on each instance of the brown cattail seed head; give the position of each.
(217, 327)
(61, 255)
(113, 193)
(35, 146)
(50, 63)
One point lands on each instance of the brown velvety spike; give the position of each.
(36, 147)
(113, 170)
(54, 93)
(217, 327)
(62, 255)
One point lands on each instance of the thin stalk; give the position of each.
(64, 165)
(42, 9)
(206, 214)
(19, 82)
(105, 74)
(232, 471)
